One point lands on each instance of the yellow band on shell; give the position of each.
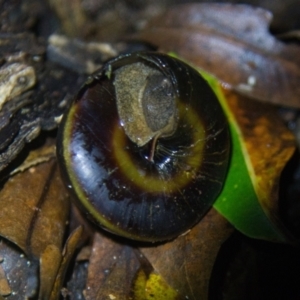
(156, 184)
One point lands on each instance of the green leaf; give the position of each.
(261, 146)
(239, 201)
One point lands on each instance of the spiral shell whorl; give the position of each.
(147, 160)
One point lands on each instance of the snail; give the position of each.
(144, 147)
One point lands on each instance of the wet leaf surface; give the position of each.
(233, 43)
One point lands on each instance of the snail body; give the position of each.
(144, 147)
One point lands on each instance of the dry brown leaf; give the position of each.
(54, 264)
(112, 269)
(49, 265)
(233, 43)
(268, 142)
(35, 208)
(67, 254)
(38, 156)
(183, 265)
(187, 262)
(5, 289)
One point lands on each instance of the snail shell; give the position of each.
(144, 147)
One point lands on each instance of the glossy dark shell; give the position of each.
(113, 178)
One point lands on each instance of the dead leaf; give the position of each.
(268, 142)
(233, 43)
(187, 262)
(35, 208)
(67, 254)
(49, 265)
(179, 269)
(54, 264)
(38, 156)
(5, 289)
(112, 269)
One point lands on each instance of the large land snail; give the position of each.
(144, 147)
